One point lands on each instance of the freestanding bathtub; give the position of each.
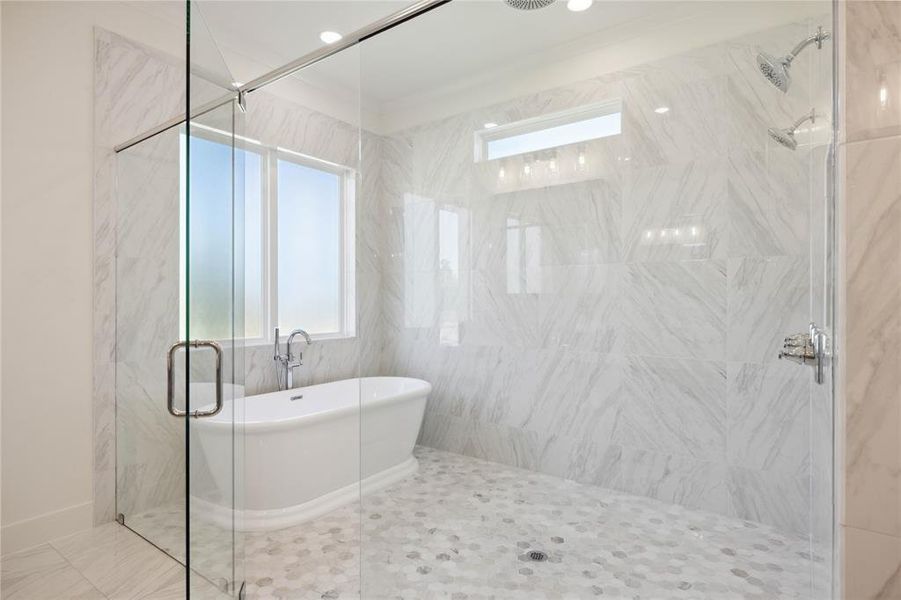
(307, 451)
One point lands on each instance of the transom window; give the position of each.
(298, 238)
(582, 124)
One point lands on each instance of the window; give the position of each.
(298, 241)
(549, 131)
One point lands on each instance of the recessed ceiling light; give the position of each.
(330, 37)
(490, 125)
(579, 5)
(661, 110)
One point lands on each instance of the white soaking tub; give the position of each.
(306, 450)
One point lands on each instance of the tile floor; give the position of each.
(462, 528)
(108, 562)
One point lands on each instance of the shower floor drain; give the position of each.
(536, 556)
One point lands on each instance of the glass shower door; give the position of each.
(150, 467)
(179, 356)
(210, 352)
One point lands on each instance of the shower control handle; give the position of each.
(809, 348)
(170, 377)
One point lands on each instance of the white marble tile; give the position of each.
(873, 42)
(872, 411)
(673, 479)
(43, 574)
(768, 204)
(147, 308)
(675, 212)
(276, 121)
(768, 300)
(769, 417)
(693, 127)
(147, 199)
(674, 406)
(675, 309)
(117, 562)
(770, 497)
(434, 147)
(554, 392)
(592, 460)
(443, 432)
(503, 313)
(872, 565)
(506, 445)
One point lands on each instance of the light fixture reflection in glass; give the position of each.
(883, 92)
(489, 125)
(582, 158)
(690, 236)
(501, 174)
(661, 110)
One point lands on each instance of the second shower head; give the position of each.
(786, 136)
(777, 70)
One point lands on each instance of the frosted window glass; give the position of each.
(309, 249)
(212, 243)
(209, 262)
(253, 244)
(553, 137)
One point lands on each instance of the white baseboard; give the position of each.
(28, 533)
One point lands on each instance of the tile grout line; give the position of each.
(74, 568)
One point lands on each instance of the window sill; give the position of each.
(316, 340)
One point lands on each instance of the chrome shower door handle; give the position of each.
(170, 383)
(821, 350)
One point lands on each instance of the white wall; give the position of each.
(47, 91)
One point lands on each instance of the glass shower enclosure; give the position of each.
(180, 329)
(602, 238)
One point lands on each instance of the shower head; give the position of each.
(777, 70)
(786, 136)
(529, 4)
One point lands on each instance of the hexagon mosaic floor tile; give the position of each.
(466, 529)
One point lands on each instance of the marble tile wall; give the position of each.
(567, 328)
(136, 267)
(150, 462)
(138, 449)
(871, 152)
(131, 94)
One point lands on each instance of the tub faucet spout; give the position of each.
(287, 361)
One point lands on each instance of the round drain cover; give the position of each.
(536, 556)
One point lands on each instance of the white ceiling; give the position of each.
(443, 60)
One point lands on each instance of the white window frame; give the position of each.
(269, 157)
(582, 113)
(347, 245)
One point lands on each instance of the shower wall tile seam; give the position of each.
(875, 138)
